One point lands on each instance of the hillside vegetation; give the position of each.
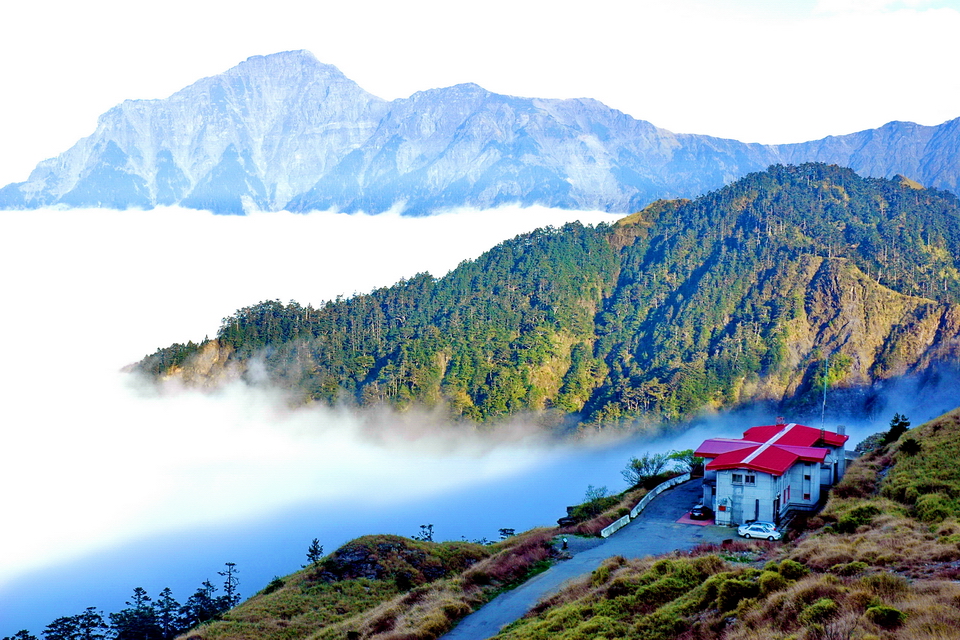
(882, 561)
(384, 587)
(740, 295)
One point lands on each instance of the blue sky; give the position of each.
(745, 69)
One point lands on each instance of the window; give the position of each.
(751, 479)
(806, 496)
(738, 478)
(806, 476)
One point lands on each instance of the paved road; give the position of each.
(653, 532)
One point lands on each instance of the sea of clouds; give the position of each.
(97, 466)
(87, 292)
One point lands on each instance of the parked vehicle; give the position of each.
(765, 530)
(700, 512)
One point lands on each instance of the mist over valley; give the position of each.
(120, 462)
(162, 483)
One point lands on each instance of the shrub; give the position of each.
(886, 617)
(771, 581)
(600, 575)
(819, 612)
(934, 507)
(910, 447)
(594, 508)
(640, 470)
(849, 568)
(274, 585)
(885, 585)
(856, 517)
(793, 570)
(733, 591)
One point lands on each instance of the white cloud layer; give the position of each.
(83, 449)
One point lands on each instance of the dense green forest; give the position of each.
(741, 294)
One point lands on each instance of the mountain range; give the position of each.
(768, 289)
(285, 131)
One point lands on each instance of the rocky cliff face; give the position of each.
(873, 333)
(257, 134)
(285, 131)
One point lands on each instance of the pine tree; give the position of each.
(314, 555)
(168, 619)
(231, 597)
(898, 426)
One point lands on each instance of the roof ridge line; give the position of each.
(769, 443)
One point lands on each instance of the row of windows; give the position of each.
(750, 479)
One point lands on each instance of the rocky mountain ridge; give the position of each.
(285, 131)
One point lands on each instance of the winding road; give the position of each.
(654, 531)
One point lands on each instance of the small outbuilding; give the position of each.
(770, 471)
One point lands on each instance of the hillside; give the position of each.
(881, 561)
(384, 587)
(285, 131)
(738, 296)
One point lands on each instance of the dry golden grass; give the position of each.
(593, 526)
(890, 541)
(429, 611)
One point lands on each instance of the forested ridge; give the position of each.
(741, 294)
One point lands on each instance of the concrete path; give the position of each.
(653, 532)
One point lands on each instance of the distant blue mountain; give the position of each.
(287, 132)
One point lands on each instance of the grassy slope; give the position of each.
(882, 561)
(384, 586)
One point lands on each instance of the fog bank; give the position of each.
(111, 483)
(89, 291)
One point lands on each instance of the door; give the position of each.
(736, 506)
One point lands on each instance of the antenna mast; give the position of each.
(823, 409)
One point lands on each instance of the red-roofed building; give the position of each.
(770, 471)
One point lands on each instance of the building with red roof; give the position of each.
(771, 470)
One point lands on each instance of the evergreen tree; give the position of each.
(230, 597)
(63, 628)
(898, 426)
(167, 615)
(201, 606)
(314, 555)
(90, 625)
(138, 621)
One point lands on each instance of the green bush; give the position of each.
(771, 581)
(733, 591)
(910, 447)
(885, 585)
(600, 575)
(793, 570)
(934, 507)
(886, 617)
(593, 508)
(857, 517)
(274, 585)
(819, 612)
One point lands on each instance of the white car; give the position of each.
(765, 530)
